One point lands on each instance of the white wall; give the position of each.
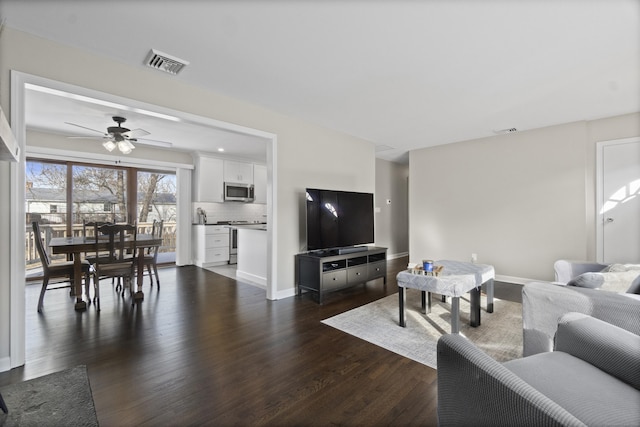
(520, 201)
(307, 155)
(392, 220)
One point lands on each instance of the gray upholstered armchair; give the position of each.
(543, 303)
(591, 378)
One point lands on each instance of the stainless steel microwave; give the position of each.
(238, 192)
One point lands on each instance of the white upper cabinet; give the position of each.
(211, 173)
(209, 179)
(260, 183)
(238, 172)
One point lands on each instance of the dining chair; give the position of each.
(151, 254)
(50, 271)
(89, 230)
(120, 259)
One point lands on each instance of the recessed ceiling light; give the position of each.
(221, 149)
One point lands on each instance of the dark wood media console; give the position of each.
(326, 271)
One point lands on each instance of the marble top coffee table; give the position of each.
(456, 279)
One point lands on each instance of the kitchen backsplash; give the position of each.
(231, 212)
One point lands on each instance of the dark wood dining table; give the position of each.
(78, 245)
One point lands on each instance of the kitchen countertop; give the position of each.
(250, 226)
(245, 225)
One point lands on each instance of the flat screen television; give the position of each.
(338, 219)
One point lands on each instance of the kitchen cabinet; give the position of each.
(210, 245)
(260, 184)
(238, 172)
(209, 179)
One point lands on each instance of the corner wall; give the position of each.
(519, 201)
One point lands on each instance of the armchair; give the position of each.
(543, 303)
(591, 378)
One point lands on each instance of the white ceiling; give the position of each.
(52, 110)
(402, 74)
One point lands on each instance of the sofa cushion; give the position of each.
(591, 395)
(617, 281)
(616, 268)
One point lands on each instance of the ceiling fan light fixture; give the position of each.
(109, 145)
(125, 146)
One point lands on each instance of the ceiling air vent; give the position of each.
(164, 62)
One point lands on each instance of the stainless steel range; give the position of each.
(233, 245)
(233, 239)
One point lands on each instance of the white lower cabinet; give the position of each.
(210, 245)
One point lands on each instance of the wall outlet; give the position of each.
(474, 258)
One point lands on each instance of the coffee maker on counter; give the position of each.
(202, 216)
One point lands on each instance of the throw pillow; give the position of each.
(620, 281)
(587, 280)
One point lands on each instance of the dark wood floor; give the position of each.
(207, 350)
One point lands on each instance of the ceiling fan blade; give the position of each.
(153, 142)
(136, 133)
(84, 127)
(86, 137)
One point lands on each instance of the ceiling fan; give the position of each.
(121, 137)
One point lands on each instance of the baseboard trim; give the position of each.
(254, 280)
(513, 279)
(286, 293)
(398, 255)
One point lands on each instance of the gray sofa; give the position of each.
(565, 270)
(591, 378)
(543, 303)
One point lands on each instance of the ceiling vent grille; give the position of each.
(164, 62)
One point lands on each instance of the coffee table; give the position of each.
(456, 279)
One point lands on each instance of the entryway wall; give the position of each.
(392, 208)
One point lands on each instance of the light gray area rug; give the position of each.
(59, 399)
(499, 334)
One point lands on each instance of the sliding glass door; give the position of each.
(62, 195)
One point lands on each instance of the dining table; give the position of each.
(77, 245)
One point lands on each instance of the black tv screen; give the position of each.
(338, 219)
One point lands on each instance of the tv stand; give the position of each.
(327, 271)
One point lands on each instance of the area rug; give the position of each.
(499, 334)
(59, 399)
